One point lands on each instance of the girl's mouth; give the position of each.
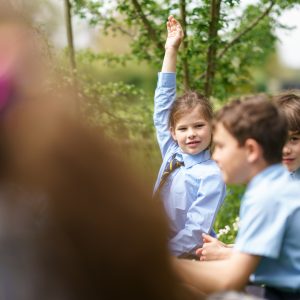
(193, 143)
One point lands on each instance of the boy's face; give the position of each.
(231, 158)
(291, 152)
(192, 132)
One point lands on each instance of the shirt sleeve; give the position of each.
(165, 95)
(200, 216)
(254, 236)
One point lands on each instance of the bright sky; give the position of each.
(289, 45)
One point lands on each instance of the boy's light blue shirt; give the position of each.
(295, 175)
(270, 228)
(193, 193)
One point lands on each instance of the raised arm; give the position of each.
(165, 92)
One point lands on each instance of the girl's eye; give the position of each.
(181, 128)
(199, 125)
(294, 139)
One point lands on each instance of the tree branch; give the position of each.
(246, 30)
(151, 31)
(212, 49)
(186, 76)
(122, 30)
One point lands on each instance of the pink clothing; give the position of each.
(5, 90)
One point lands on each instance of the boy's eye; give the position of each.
(199, 125)
(181, 128)
(218, 146)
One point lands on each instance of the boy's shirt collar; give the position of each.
(295, 175)
(269, 172)
(191, 160)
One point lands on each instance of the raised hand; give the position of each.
(175, 34)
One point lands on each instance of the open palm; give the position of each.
(175, 33)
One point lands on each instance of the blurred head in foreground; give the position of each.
(75, 223)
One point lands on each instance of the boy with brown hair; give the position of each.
(289, 103)
(249, 136)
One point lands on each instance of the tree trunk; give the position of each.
(213, 47)
(186, 76)
(71, 51)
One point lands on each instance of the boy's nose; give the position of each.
(215, 156)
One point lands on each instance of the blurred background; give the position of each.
(111, 51)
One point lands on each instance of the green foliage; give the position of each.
(121, 109)
(144, 22)
(109, 59)
(227, 217)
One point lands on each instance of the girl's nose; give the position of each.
(191, 133)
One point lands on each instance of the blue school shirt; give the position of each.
(193, 193)
(295, 175)
(270, 226)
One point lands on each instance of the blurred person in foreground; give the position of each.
(72, 226)
(75, 223)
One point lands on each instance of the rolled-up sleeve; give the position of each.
(255, 236)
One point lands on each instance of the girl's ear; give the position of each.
(173, 133)
(254, 151)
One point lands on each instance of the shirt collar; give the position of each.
(191, 160)
(269, 173)
(296, 174)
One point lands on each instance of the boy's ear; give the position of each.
(173, 133)
(254, 151)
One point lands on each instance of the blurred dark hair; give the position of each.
(78, 223)
(256, 117)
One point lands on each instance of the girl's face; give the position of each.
(291, 152)
(192, 132)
